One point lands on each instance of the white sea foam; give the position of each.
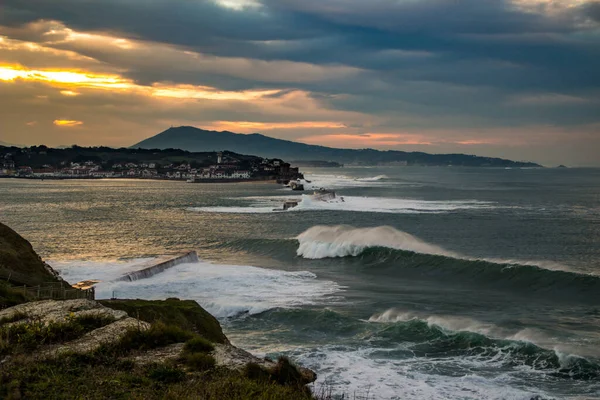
(373, 179)
(359, 373)
(233, 210)
(274, 204)
(224, 290)
(315, 181)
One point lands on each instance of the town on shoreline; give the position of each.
(42, 162)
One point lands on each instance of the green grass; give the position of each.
(186, 314)
(165, 373)
(283, 373)
(101, 376)
(159, 335)
(199, 361)
(198, 345)
(110, 372)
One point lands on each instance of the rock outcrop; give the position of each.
(61, 311)
(57, 311)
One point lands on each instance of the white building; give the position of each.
(240, 174)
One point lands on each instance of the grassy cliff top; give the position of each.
(186, 314)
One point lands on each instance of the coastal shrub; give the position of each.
(199, 361)
(186, 314)
(198, 345)
(256, 372)
(158, 335)
(286, 373)
(165, 373)
(90, 322)
(283, 373)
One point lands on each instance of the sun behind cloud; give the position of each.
(67, 122)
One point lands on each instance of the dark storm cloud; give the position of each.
(467, 63)
(355, 33)
(592, 10)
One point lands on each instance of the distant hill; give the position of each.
(199, 140)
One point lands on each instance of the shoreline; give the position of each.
(92, 178)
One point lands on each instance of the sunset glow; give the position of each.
(57, 77)
(67, 122)
(90, 80)
(244, 126)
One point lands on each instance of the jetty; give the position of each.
(159, 265)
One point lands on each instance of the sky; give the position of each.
(517, 79)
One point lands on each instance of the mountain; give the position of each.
(199, 140)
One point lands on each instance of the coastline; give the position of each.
(92, 178)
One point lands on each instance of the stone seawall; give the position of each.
(160, 265)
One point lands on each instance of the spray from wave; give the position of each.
(373, 179)
(342, 241)
(224, 290)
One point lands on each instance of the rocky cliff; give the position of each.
(129, 349)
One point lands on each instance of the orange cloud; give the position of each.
(69, 93)
(90, 80)
(67, 122)
(367, 140)
(247, 126)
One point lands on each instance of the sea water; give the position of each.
(414, 283)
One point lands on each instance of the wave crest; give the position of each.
(342, 241)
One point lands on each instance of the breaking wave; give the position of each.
(373, 179)
(421, 357)
(393, 252)
(343, 241)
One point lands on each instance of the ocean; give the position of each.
(415, 283)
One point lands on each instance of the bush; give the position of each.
(89, 322)
(198, 345)
(286, 373)
(199, 361)
(159, 335)
(256, 372)
(187, 314)
(165, 373)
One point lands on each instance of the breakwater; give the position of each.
(159, 265)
